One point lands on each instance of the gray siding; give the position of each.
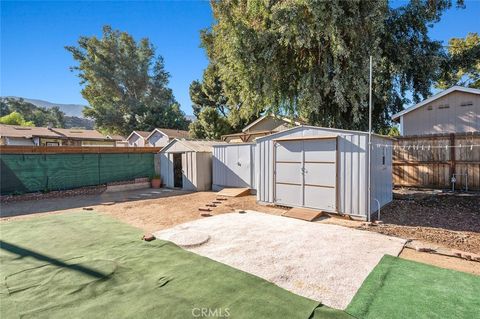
(233, 166)
(435, 118)
(352, 168)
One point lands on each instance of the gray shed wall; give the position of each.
(233, 165)
(352, 169)
(196, 166)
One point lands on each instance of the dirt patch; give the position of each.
(442, 261)
(466, 241)
(160, 213)
(449, 220)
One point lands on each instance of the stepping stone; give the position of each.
(148, 237)
(221, 198)
(206, 215)
(204, 209)
(216, 202)
(87, 208)
(211, 205)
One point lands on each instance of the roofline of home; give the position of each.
(435, 97)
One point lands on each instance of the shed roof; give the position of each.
(194, 145)
(434, 97)
(333, 130)
(27, 131)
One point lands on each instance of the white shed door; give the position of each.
(306, 173)
(288, 170)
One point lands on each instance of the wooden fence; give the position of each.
(431, 161)
(11, 149)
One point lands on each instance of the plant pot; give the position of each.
(156, 182)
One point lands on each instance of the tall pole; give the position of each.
(369, 198)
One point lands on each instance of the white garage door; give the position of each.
(306, 173)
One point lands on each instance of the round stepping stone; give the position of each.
(187, 238)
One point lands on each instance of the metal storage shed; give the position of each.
(324, 168)
(233, 165)
(187, 164)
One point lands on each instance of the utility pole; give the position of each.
(369, 198)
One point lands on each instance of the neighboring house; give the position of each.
(455, 110)
(160, 137)
(265, 125)
(119, 140)
(79, 137)
(138, 139)
(44, 136)
(28, 136)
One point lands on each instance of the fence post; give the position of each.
(452, 155)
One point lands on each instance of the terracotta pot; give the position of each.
(156, 182)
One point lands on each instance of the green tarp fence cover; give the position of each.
(45, 172)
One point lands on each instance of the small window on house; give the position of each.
(469, 103)
(429, 108)
(383, 156)
(444, 106)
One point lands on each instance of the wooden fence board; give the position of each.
(10, 149)
(415, 164)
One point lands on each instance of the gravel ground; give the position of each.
(323, 262)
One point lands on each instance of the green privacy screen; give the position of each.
(38, 172)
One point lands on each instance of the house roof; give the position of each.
(287, 120)
(27, 131)
(194, 145)
(171, 133)
(435, 97)
(116, 137)
(142, 134)
(80, 134)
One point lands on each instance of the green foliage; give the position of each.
(39, 116)
(462, 66)
(309, 59)
(15, 118)
(125, 84)
(210, 124)
(393, 131)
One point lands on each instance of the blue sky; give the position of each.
(34, 63)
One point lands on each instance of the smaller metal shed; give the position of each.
(233, 165)
(187, 164)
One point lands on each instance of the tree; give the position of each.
(39, 116)
(15, 118)
(462, 65)
(309, 59)
(125, 84)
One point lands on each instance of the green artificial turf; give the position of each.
(399, 288)
(87, 265)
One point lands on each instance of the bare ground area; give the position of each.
(449, 220)
(154, 214)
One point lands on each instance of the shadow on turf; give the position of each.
(23, 252)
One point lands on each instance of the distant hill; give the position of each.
(68, 109)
